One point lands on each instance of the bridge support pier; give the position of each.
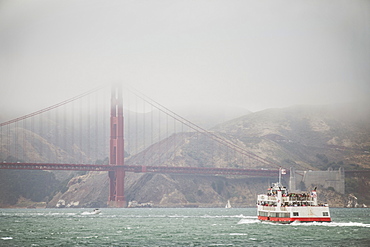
(120, 185)
(116, 188)
(117, 177)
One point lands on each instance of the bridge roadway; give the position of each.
(157, 169)
(144, 169)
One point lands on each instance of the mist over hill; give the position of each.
(300, 136)
(304, 137)
(208, 116)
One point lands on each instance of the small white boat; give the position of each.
(228, 205)
(96, 211)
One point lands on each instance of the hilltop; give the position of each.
(304, 137)
(307, 137)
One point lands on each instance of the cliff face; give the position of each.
(314, 138)
(204, 191)
(307, 138)
(162, 190)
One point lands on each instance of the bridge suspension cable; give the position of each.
(199, 129)
(64, 132)
(86, 134)
(52, 107)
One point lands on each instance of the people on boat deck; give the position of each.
(298, 195)
(295, 199)
(286, 204)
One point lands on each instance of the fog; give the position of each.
(249, 54)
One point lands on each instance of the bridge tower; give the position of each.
(117, 177)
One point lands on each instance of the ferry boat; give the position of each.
(280, 206)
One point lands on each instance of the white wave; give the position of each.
(87, 213)
(206, 216)
(222, 216)
(336, 224)
(88, 237)
(253, 220)
(248, 221)
(6, 238)
(57, 214)
(54, 213)
(248, 217)
(238, 234)
(219, 244)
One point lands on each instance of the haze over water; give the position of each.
(176, 227)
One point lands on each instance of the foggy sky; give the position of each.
(251, 54)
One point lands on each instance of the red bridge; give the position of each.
(116, 168)
(137, 169)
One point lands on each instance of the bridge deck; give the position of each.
(144, 169)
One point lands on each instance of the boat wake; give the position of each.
(88, 213)
(95, 211)
(201, 216)
(303, 224)
(249, 221)
(6, 238)
(238, 234)
(331, 224)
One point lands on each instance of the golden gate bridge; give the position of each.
(76, 135)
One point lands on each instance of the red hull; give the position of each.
(289, 220)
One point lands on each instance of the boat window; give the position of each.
(281, 215)
(325, 213)
(295, 214)
(262, 213)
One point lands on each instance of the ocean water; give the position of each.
(176, 227)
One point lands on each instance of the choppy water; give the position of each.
(176, 227)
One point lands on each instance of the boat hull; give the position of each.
(298, 219)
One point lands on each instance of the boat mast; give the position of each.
(279, 176)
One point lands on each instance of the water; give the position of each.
(176, 227)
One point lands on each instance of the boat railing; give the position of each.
(269, 208)
(266, 198)
(273, 208)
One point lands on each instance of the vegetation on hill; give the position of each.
(304, 137)
(36, 186)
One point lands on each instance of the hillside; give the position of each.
(307, 137)
(73, 146)
(304, 137)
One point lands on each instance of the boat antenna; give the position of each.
(279, 175)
